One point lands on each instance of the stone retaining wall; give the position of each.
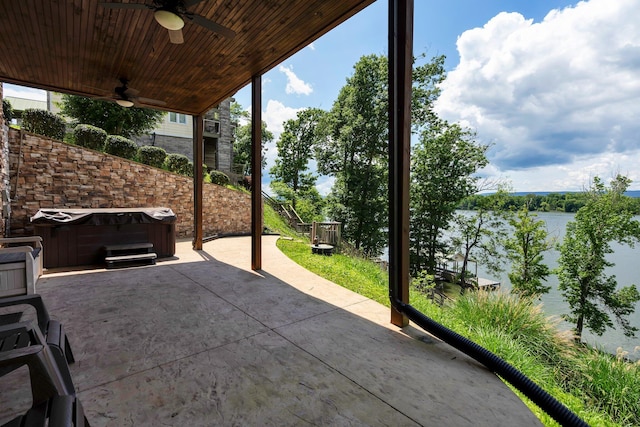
(45, 173)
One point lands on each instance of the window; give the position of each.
(178, 118)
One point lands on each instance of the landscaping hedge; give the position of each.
(89, 136)
(7, 111)
(152, 156)
(219, 178)
(44, 123)
(179, 163)
(121, 147)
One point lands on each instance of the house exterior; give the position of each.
(174, 133)
(20, 104)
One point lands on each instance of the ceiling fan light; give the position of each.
(124, 103)
(168, 20)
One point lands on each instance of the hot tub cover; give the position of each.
(103, 216)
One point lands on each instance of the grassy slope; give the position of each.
(602, 390)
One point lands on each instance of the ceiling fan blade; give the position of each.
(130, 92)
(189, 3)
(151, 101)
(175, 36)
(212, 26)
(124, 5)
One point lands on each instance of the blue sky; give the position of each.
(553, 85)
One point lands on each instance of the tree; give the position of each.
(525, 249)
(443, 165)
(309, 202)
(355, 148)
(7, 111)
(242, 142)
(111, 117)
(425, 90)
(354, 151)
(592, 295)
(479, 233)
(295, 149)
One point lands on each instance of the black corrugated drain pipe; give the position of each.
(544, 400)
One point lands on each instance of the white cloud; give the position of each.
(312, 46)
(294, 84)
(572, 177)
(324, 184)
(275, 115)
(550, 93)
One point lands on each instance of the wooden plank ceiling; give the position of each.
(81, 47)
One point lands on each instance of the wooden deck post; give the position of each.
(198, 160)
(256, 172)
(400, 83)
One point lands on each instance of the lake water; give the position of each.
(626, 270)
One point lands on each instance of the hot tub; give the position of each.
(73, 237)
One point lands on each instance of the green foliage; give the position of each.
(44, 123)
(357, 274)
(592, 295)
(443, 165)
(425, 90)
(352, 145)
(7, 111)
(89, 136)
(121, 147)
(219, 178)
(273, 222)
(111, 117)
(309, 203)
(479, 235)
(525, 249)
(178, 163)
(423, 281)
(354, 151)
(612, 385)
(518, 317)
(295, 149)
(552, 202)
(242, 146)
(152, 156)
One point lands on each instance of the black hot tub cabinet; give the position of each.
(72, 237)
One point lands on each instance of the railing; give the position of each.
(289, 214)
(212, 126)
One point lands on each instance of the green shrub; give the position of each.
(219, 178)
(152, 156)
(121, 147)
(44, 123)
(89, 136)
(178, 163)
(7, 111)
(189, 170)
(611, 383)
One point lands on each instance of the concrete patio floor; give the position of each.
(201, 340)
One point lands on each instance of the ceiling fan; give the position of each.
(126, 96)
(171, 15)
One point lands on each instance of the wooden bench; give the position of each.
(130, 254)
